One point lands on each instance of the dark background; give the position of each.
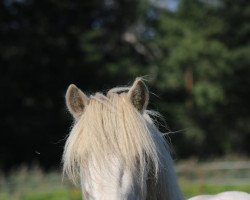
(196, 55)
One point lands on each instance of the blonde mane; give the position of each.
(111, 125)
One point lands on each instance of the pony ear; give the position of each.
(76, 101)
(139, 95)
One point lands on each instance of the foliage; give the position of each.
(196, 73)
(197, 59)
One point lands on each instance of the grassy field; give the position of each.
(33, 184)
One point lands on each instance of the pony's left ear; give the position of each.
(76, 101)
(139, 95)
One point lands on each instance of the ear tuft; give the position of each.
(76, 101)
(139, 95)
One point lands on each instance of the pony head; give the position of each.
(114, 148)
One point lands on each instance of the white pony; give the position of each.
(115, 149)
(230, 195)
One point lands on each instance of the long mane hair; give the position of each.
(112, 125)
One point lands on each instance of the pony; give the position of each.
(115, 150)
(229, 195)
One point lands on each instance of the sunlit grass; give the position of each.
(193, 189)
(34, 184)
(213, 177)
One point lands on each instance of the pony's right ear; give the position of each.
(76, 101)
(139, 95)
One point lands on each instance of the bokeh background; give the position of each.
(195, 55)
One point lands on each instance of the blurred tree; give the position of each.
(191, 69)
(45, 45)
(197, 56)
(197, 68)
(236, 109)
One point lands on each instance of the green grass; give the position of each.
(193, 189)
(213, 177)
(33, 184)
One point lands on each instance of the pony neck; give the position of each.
(169, 187)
